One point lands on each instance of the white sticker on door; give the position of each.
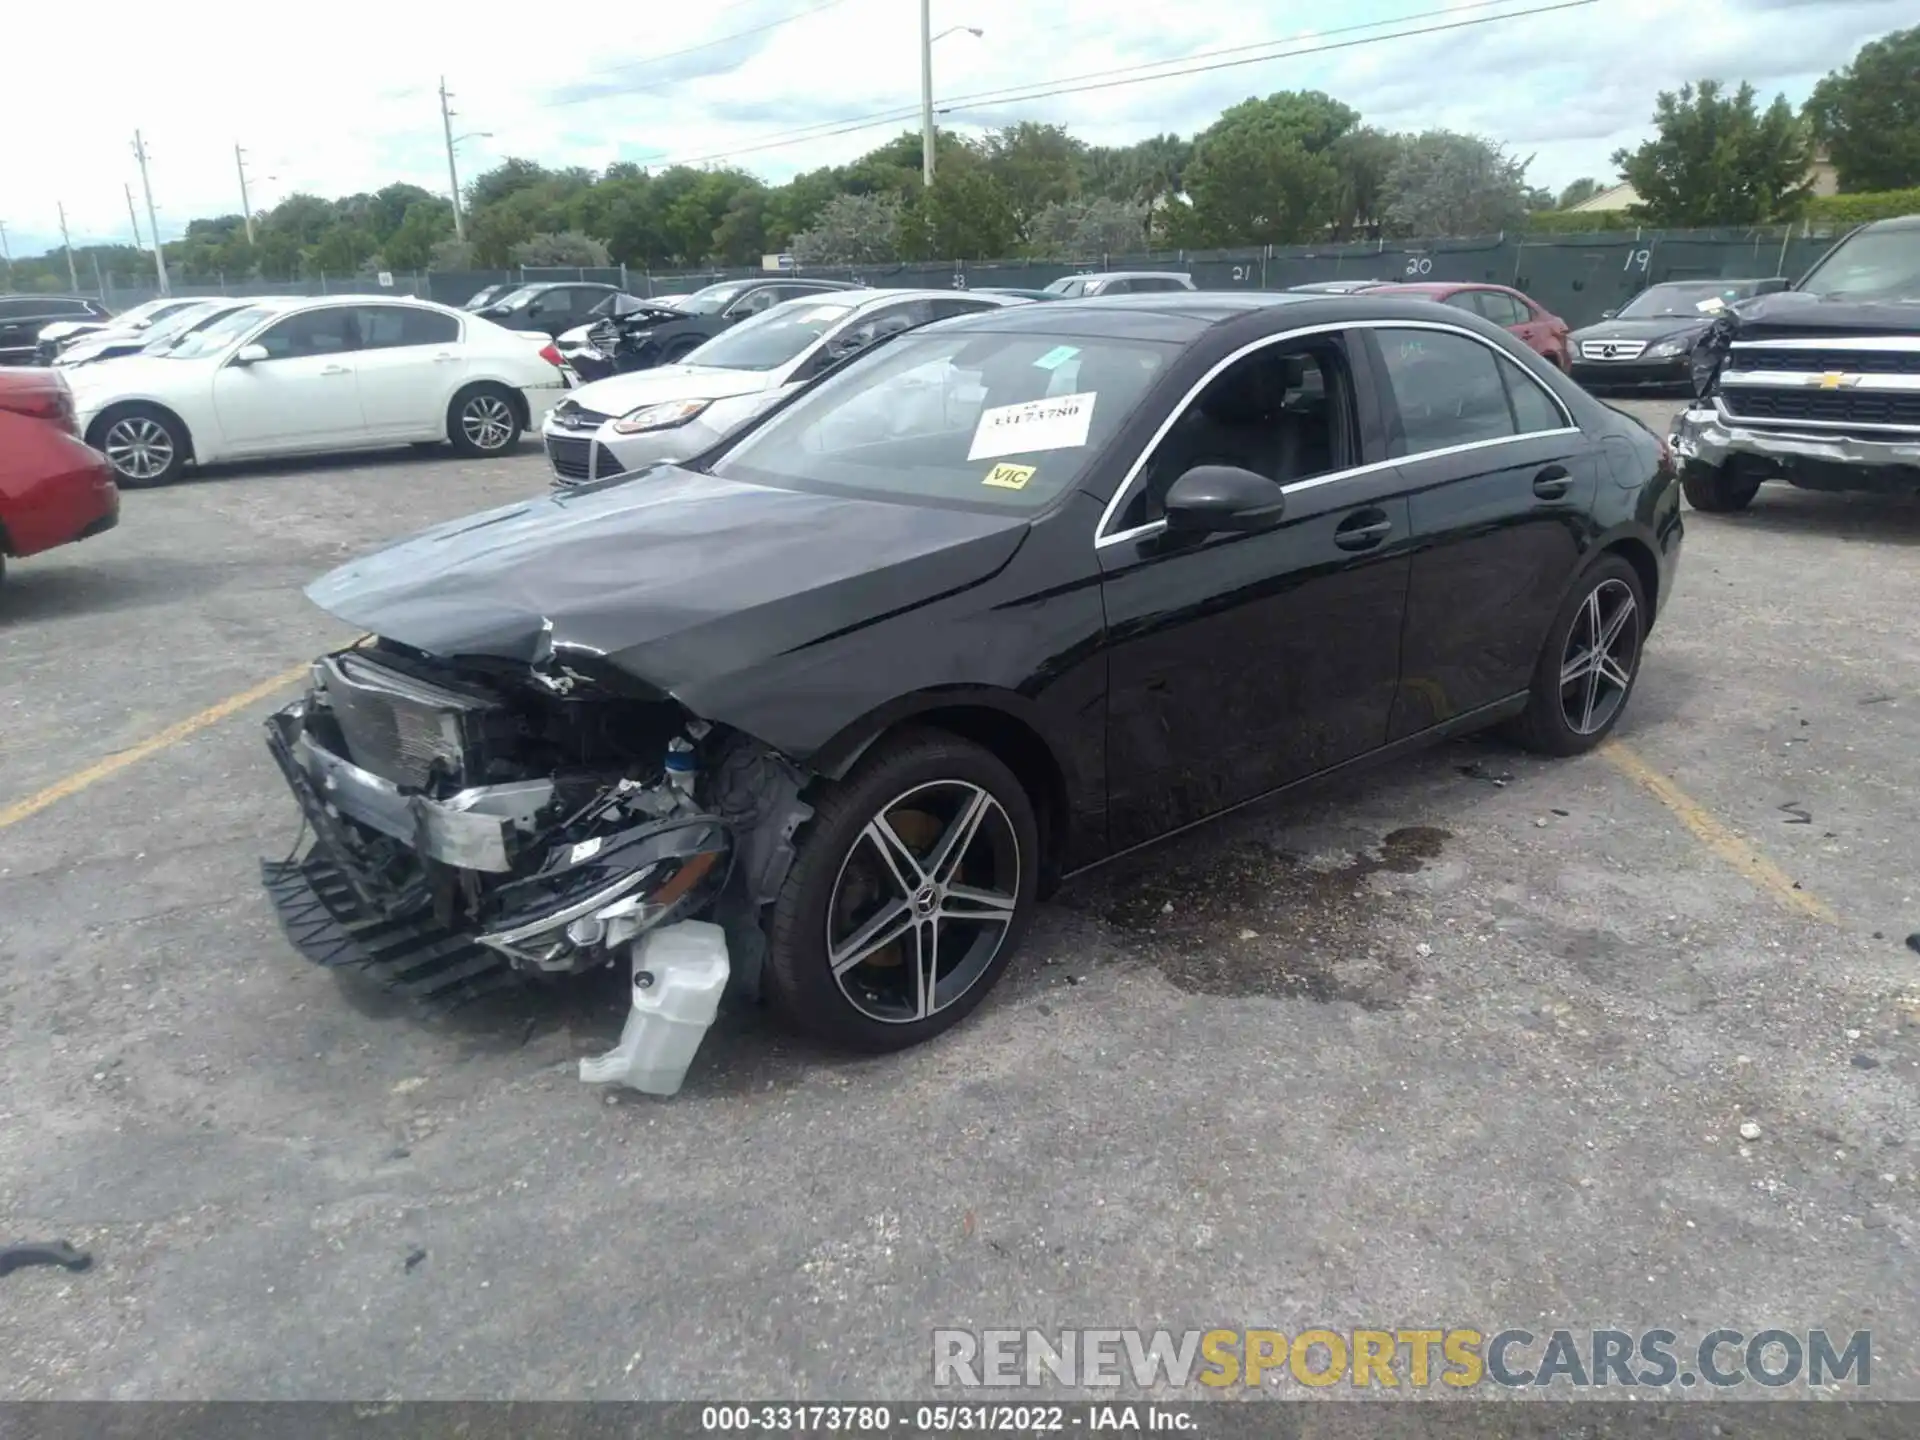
(1059, 423)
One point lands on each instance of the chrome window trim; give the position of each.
(1101, 536)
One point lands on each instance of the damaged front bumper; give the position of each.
(448, 899)
(1706, 436)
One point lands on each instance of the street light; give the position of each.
(927, 38)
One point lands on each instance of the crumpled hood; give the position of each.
(674, 576)
(618, 394)
(1792, 314)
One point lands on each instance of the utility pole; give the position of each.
(138, 243)
(453, 175)
(246, 208)
(73, 276)
(6, 253)
(926, 91)
(153, 219)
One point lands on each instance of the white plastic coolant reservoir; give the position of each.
(679, 973)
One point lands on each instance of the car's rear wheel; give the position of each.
(1589, 664)
(143, 443)
(483, 420)
(912, 887)
(1717, 489)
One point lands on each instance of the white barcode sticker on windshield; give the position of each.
(1059, 423)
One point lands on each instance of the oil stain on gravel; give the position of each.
(1252, 919)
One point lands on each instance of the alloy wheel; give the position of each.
(923, 901)
(1596, 669)
(487, 422)
(139, 447)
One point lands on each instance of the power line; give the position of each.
(633, 65)
(1070, 84)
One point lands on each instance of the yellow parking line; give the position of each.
(1716, 836)
(172, 735)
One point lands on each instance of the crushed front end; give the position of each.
(475, 825)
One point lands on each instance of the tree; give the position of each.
(1150, 172)
(452, 255)
(1264, 172)
(507, 178)
(1578, 193)
(1718, 159)
(1087, 229)
(341, 251)
(411, 245)
(1363, 159)
(1034, 165)
(965, 215)
(851, 230)
(559, 249)
(388, 207)
(1868, 115)
(1449, 184)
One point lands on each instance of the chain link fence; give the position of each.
(1578, 277)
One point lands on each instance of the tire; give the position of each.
(1572, 709)
(1716, 489)
(144, 444)
(921, 783)
(484, 420)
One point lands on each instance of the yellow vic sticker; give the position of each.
(1009, 477)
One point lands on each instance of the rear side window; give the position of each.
(1447, 391)
(388, 327)
(317, 332)
(1503, 309)
(1533, 409)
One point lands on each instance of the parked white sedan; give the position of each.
(671, 412)
(290, 376)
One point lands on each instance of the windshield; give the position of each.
(484, 295)
(513, 299)
(216, 335)
(964, 418)
(617, 303)
(1691, 301)
(770, 339)
(1872, 263)
(714, 298)
(1067, 285)
(163, 333)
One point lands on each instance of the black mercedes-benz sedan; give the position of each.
(993, 602)
(1648, 344)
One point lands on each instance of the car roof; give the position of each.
(1898, 222)
(1128, 275)
(1176, 315)
(563, 284)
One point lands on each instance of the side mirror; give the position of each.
(1608, 314)
(1773, 286)
(1212, 498)
(250, 355)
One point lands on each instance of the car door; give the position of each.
(303, 395)
(1242, 662)
(1500, 484)
(406, 370)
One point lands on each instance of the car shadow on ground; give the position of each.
(39, 589)
(1879, 519)
(425, 456)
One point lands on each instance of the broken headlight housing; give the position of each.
(592, 896)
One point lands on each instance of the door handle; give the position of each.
(336, 370)
(445, 357)
(1552, 483)
(1363, 531)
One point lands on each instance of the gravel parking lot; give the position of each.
(1470, 1041)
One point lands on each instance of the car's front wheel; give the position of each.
(1717, 489)
(1589, 664)
(143, 443)
(483, 420)
(911, 889)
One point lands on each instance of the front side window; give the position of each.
(712, 299)
(966, 419)
(1449, 390)
(1282, 412)
(1504, 309)
(754, 301)
(332, 331)
(772, 338)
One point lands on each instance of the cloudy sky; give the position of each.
(348, 102)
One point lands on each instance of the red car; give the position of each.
(53, 489)
(1540, 330)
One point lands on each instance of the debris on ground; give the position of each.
(414, 1257)
(1799, 813)
(1749, 1130)
(1500, 779)
(1913, 942)
(45, 1252)
(1865, 1062)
